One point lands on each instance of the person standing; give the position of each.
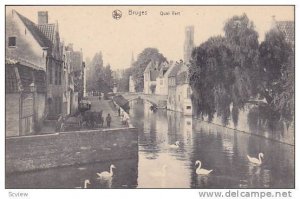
(108, 120)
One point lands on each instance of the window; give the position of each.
(12, 41)
(188, 107)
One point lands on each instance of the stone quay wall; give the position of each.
(69, 148)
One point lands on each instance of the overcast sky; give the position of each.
(93, 28)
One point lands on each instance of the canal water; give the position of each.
(162, 165)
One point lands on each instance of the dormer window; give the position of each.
(12, 41)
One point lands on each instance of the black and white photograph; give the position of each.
(149, 97)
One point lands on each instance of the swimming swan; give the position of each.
(200, 171)
(106, 174)
(174, 146)
(86, 182)
(255, 160)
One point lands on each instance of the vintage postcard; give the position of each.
(197, 97)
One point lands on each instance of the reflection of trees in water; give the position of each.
(262, 119)
(154, 125)
(235, 115)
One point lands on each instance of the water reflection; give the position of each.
(221, 149)
(125, 176)
(159, 166)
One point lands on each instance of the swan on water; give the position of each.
(200, 171)
(86, 182)
(255, 160)
(175, 146)
(106, 174)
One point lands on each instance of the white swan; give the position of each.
(255, 160)
(106, 174)
(200, 171)
(86, 182)
(175, 146)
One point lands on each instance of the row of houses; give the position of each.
(44, 78)
(170, 79)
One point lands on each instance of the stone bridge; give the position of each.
(158, 100)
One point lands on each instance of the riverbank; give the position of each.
(199, 126)
(36, 152)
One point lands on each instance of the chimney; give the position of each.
(42, 17)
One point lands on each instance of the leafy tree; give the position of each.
(139, 66)
(123, 82)
(223, 70)
(283, 100)
(107, 76)
(99, 77)
(211, 75)
(275, 62)
(243, 42)
(95, 69)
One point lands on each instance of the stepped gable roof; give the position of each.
(288, 29)
(35, 31)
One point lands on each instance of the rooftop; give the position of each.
(39, 36)
(288, 29)
(175, 69)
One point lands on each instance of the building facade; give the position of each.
(179, 94)
(183, 91)
(179, 90)
(150, 74)
(26, 77)
(162, 79)
(172, 78)
(54, 61)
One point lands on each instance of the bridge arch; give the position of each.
(140, 97)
